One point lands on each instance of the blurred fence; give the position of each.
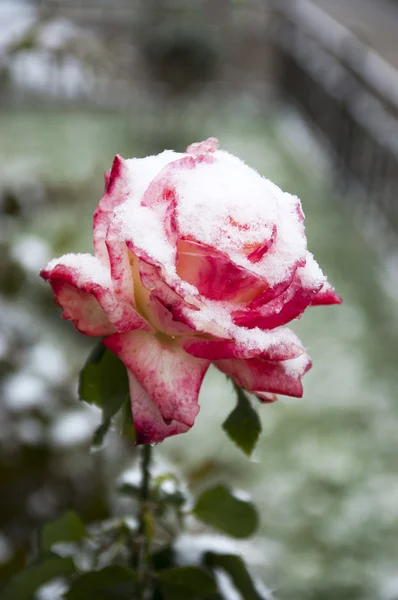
(348, 92)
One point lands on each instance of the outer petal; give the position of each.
(275, 291)
(326, 295)
(121, 271)
(306, 283)
(257, 375)
(170, 377)
(207, 146)
(266, 397)
(83, 288)
(150, 428)
(125, 184)
(81, 308)
(278, 345)
(116, 192)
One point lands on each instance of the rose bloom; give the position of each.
(198, 260)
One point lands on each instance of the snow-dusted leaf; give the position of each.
(48, 566)
(220, 509)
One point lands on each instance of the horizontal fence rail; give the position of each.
(348, 92)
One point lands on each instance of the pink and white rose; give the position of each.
(198, 260)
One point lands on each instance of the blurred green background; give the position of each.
(77, 88)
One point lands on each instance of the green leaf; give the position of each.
(88, 389)
(183, 583)
(110, 583)
(219, 508)
(49, 566)
(235, 567)
(68, 528)
(243, 425)
(103, 381)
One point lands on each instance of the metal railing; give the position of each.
(348, 92)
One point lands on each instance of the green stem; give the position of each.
(144, 496)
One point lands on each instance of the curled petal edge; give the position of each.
(259, 376)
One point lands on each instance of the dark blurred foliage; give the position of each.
(182, 60)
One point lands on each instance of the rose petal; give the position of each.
(275, 291)
(126, 185)
(171, 377)
(116, 192)
(82, 309)
(306, 283)
(120, 268)
(207, 146)
(257, 375)
(150, 428)
(175, 304)
(85, 273)
(266, 398)
(107, 180)
(326, 295)
(215, 275)
(278, 345)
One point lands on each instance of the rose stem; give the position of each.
(144, 558)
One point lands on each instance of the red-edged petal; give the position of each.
(257, 375)
(278, 345)
(215, 275)
(90, 280)
(275, 291)
(126, 184)
(171, 377)
(306, 283)
(161, 191)
(266, 397)
(116, 192)
(107, 180)
(120, 267)
(149, 425)
(81, 308)
(326, 295)
(207, 146)
(161, 194)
